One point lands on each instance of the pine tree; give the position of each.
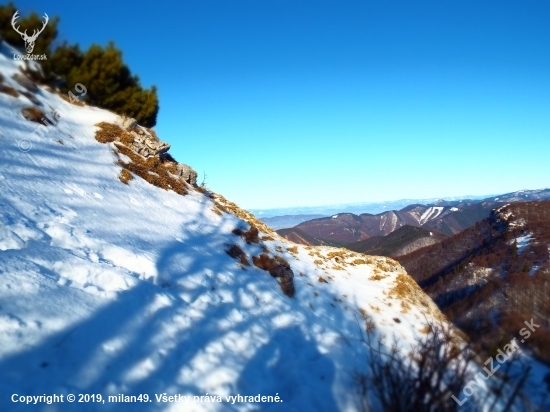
(109, 82)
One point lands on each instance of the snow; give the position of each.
(522, 242)
(112, 289)
(430, 214)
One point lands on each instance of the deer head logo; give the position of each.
(29, 40)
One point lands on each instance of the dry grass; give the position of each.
(406, 289)
(377, 277)
(229, 207)
(125, 176)
(4, 88)
(278, 268)
(156, 171)
(293, 250)
(153, 170)
(34, 114)
(110, 132)
(250, 236)
(237, 253)
(76, 102)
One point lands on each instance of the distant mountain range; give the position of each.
(404, 240)
(355, 208)
(444, 216)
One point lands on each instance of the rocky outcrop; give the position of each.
(145, 143)
(187, 173)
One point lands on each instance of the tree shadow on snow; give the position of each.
(147, 340)
(292, 367)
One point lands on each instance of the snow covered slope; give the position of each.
(107, 288)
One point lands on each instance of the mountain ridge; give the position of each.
(447, 217)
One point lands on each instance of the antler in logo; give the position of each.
(29, 40)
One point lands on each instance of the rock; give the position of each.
(187, 173)
(25, 82)
(148, 146)
(128, 123)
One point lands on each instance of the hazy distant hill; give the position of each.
(356, 208)
(278, 222)
(297, 236)
(404, 240)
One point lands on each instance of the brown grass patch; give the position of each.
(322, 280)
(34, 114)
(237, 253)
(230, 207)
(125, 176)
(377, 277)
(67, 98)
(278, 268)
(154, 170)
(110, 132)
(151, 170)
(4, 88)
(250, 236)
(293, 249)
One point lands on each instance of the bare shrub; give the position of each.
(429, 376)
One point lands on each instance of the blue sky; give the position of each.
(302, 103)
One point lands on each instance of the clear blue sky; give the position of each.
(302, 103)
